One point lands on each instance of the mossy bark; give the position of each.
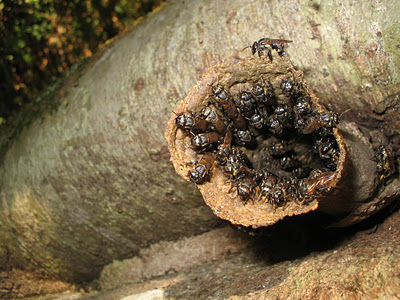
(92, 181)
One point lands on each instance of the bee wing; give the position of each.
(268, 41)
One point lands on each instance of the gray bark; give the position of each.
(92, 181)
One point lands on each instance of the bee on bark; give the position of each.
(246, 188)
(267, 184)
(224, 150)
(257, 120)
(243, 137)
(284, 114)
(203, 141)
(238, 164)
(317, 181)
(291, 89)
(189, 122)
(246, 104)
(224, 100)
(385, 162)
(329, 120)
(210, 114)
(275, 126)
(200, 173)
(267, 44)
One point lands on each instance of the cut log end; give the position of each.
(255, 139)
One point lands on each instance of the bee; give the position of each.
(203, 141)
(288, 163)
(243, 137)
(238, 164)
(279, 148)
(246, 104)
(284, 114)
(302, 107)
(385, 162)
(291, 89)
(275, 126)
(224, 149)
(328, 150)
(329, 119)
(200, 173)
(276, 197)
(225, 101)
(268, 44)
(268, 182)
(258, 92)
(246, 188)
(289, 188)
(188, 121)
(265, 96)
(301, 172)
(257, 120)
(316, 182)
(210, 114)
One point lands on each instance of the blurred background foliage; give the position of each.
(41, 39)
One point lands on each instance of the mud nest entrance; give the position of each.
(254, 138)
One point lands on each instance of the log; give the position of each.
(291, 160)
(92, 182)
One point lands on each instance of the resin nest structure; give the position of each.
(255, 140)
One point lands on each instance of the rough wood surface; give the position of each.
(92, 181)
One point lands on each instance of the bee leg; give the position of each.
(269, 53)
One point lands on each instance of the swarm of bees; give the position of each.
(269, 139)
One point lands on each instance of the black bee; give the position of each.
(301, 172)
(327, 148)
(329, 119)
(299, 123)
(289, 188)
(268, 44)
(275, 126)
(187, 121)
(257, 120)
(317, 182)
(258, 92)
(210, 114)
(276, 197)
(203, 141)
(266, 97)
(246, 104)
(246, 188)
(268, 182)
(302, 107)
(238, 164)
(279, 148)
(291, 89)
(288, 163)
(385, 162)
(200, 173)
(225, 101)
(243, 137)
(284, 114)
(271, 98)
(224, 149)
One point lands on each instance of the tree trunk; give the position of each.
(92, 182)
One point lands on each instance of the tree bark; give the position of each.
(92, 182)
